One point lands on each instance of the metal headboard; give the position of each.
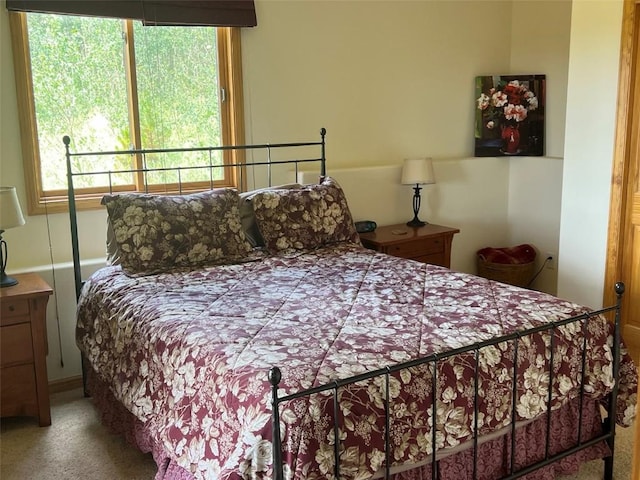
(73, 217)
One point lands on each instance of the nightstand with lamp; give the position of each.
(416, 240)
(24, 388)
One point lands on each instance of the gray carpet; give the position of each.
(77, 446)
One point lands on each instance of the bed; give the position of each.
(252, 336)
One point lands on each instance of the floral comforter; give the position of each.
(188, 353)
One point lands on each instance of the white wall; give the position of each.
(535, 188)
(535, 183)
(375, 193)
(389, 79)
(596, 27)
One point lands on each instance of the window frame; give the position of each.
(231, 106)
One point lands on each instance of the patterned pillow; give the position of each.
(159, 233)
(247, 216)
(304, 218)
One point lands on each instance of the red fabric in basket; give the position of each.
(517, 255)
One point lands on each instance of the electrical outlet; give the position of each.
(551, 260)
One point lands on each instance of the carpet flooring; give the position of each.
(77, 446)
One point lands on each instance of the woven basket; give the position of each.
(514, 274)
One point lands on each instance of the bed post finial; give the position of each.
(619, 288)
(275, 375)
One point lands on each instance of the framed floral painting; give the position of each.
(509, 115)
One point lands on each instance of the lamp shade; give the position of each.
(417, 171)
(10, 212)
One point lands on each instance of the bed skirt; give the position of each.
(493, 455)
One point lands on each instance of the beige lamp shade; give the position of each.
(10, 212)
(418, 171)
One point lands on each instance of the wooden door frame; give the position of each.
(620, 188)
(621, 156)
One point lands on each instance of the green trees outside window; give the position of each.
(116, 85)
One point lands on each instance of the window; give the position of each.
(115, 84)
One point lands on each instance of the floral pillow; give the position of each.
(247, 216)
(159, 233)
(304, 218)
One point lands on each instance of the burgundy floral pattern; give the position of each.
(188, 354)
(304, 218)
(493, 459)
(158, 233)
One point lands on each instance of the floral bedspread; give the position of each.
(188, 354)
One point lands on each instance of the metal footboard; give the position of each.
(432, 361)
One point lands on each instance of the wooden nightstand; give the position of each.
(24, 388)
(428, 244)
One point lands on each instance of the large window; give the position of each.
(114, 85)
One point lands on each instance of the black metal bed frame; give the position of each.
(145, 171)
(432, 360)
(609, 423)
(73, 215)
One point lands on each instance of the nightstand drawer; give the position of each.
(15, 345)
(18, 395)
(433, 259)
(429, 244)
(10, 309)
(424, 246)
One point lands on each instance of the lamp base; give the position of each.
(416, 223)
(7, 281)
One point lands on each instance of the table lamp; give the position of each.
(417, 171)
(10, 216)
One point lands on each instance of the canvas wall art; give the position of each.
(509, 116)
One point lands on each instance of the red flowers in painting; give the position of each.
(513, 93)
(507, 102)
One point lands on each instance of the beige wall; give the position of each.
(403, 86)
(596, 27)
(535, 184)
(388, 79)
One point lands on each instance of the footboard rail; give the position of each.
(609, 423)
